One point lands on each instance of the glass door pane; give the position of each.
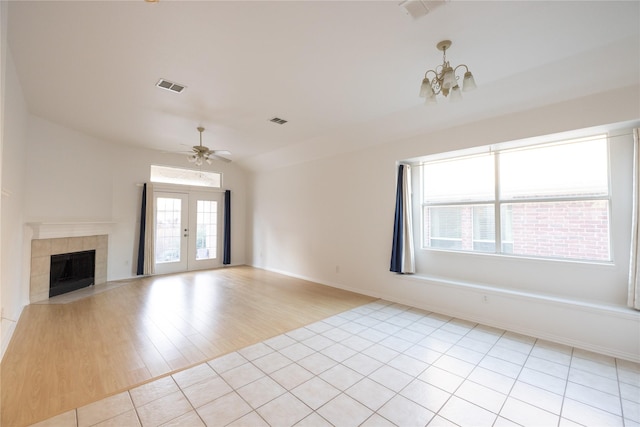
(168, 228)
(206, 229)
(171, 232)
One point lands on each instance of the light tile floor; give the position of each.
(384, 364)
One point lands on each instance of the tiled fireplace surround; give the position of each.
(55, 239)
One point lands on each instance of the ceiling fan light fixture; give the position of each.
(203, 154)
(443, 80)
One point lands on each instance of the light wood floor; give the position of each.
(64, 356)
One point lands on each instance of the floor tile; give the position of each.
(301, 334)
(391, 378)
(357, 343)
(280, 342)
(542, 380)
(370, 393)
(631, 410)
(127, 419)
(286, 410)
(315, 392)
(552, 368)
(341, 377)
(344, 411)
(423, 354)
(206, 391)
(376, 420)
(104, 409)
(242, 375)
(338, 352)
(427, 395)
(408, 365)
(251, 419)
(362, 363)
(272, 362)
(191, 419)
(465, 354)
(194, 375)
(493, 380)
(594, 367)
(227, 362)
(481, 396)
(297, 351)
(317, 363)
(526, 414)
(538, 397)
(164, 409)
(254, 351)
(380, 353)
(442, 379)
(404, 412)
(501, 366)
(153, 390)
(260, 391)
(464, 413)
(313, 420)
(223, 410)
(590, 396)
(291, 376)
(598, 382)
(451, 364)
(588, 415)
(318, 342)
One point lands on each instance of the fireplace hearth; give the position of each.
(71, 271)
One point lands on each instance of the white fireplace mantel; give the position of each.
(53, 230)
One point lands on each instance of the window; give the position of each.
(548, 200)
(170, 175)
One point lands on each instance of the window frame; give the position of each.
(499, 244)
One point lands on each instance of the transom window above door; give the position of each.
(180, 176)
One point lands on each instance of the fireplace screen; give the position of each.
(71, 271)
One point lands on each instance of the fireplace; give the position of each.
(71, 271)
(43, 249)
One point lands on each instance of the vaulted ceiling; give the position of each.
(345, 74)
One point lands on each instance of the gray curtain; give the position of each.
(402, 256)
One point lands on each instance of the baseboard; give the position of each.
(558, 320)
(7, 328)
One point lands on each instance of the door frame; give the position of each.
(191, 194)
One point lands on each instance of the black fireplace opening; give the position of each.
(71, 271)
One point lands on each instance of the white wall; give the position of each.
(13, 297)
(74, 177)
(331, 221)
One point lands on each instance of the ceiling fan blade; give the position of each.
(216, 157)
(218, 152)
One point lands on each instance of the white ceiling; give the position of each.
(345, 74)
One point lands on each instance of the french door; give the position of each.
(187, 231)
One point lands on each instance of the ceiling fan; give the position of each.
(201, 153)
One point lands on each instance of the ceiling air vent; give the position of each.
(173, 87)
(419, 8)
(278, 120)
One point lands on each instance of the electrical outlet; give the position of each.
(337, 269)
(485, 299)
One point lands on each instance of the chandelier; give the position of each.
(444, 80)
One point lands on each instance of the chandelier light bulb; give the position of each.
(468, 83)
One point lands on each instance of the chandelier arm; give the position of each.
(461, 65)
